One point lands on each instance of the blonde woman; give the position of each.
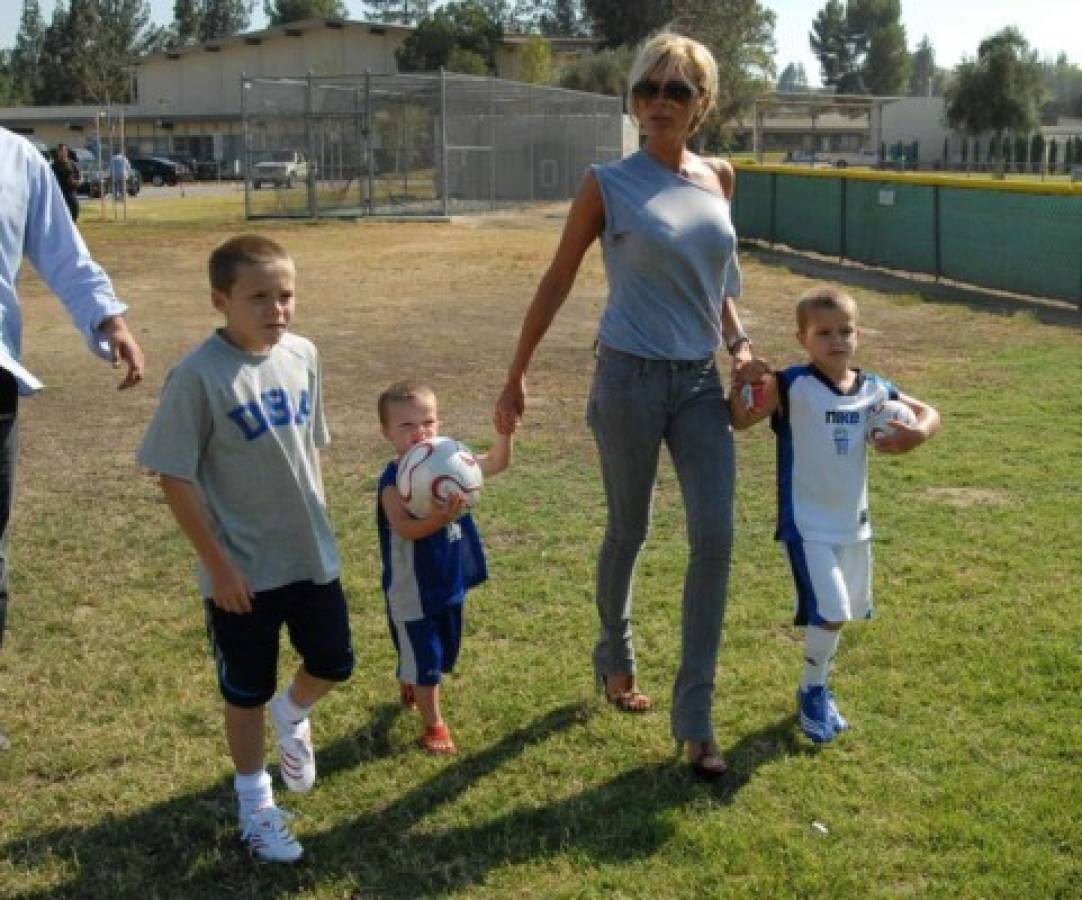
(662, 215)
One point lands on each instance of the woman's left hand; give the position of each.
(748, 369)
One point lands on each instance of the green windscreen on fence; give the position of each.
(1022, 239)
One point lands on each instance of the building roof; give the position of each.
(292, 29)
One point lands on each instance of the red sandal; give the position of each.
(437, 740)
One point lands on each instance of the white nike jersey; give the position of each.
(822, 455)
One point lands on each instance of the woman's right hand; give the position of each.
(510, 406)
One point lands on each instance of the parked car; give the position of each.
(92, 185)
(283, 169)
(186, 160)
(840, 159)
(158, 171)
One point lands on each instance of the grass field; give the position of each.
(960, 777)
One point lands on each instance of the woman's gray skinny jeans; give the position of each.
(634, 405)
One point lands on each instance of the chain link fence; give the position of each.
(432, 144)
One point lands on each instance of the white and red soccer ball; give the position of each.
(882, 416)
(434, 469)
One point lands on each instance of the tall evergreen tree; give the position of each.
(221, 18)
(187, 15)
(837, 48)
(281, 12)
(25, 64)
(793, 78)
(922, 75)
(626, 22)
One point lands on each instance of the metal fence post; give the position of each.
(245, 86)
(937, 232)
(773, 208)
(492, 140)
(529, 136)
(443, 142)
(368, 160)
(310, 180)
(843, 200)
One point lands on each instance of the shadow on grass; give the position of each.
(187, 846)
(1061, 313)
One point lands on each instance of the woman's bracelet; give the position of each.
(739, 338)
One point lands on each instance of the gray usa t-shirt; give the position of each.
(244, 428)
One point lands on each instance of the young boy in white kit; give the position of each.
(819, 413)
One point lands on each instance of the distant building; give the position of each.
(188, 99)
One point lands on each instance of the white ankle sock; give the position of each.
(285, 711)
(253, 792)
(820, 645)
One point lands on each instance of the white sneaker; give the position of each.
(269, 838)
(296, 758)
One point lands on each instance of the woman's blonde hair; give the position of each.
(666, 50)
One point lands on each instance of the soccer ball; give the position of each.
(432, 470)
(882, 416)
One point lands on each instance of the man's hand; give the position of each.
(124, 348)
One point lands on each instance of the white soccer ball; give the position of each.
(434, 469)
(882, 416)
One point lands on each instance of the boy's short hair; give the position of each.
(826, 296)
(242, 250)
(401, 392)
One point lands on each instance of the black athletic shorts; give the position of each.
(245, 645)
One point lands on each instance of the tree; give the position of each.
(876, 26)
(833, 43)
(187, 15)
(604, 72)
(465, 26)
(861, 46)
(999, 91)
(221, 18)
(536, 61)
(408, 12)
(740, 34)
(564, 18)
(24, 66)
(922, 73)
(280, 12)
(793, 79)
(626, 22)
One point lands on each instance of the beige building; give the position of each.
(189, 99)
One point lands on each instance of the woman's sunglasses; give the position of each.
(679, 92)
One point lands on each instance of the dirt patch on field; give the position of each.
(963, 498)
(443, 301)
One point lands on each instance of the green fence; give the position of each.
(1022, 237)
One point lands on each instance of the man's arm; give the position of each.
(55, 248)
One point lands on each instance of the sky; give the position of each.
(955, 27)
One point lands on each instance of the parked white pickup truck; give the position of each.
(840, 159)
(283, 168)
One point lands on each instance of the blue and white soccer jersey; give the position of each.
(823, 490)
(425, 584)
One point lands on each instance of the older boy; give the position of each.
(235, 442)
(819, 412)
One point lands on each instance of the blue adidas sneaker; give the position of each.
(814, 712)
(839, 723)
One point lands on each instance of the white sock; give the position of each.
(820, 645)
(285, 712)
(253, 792)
